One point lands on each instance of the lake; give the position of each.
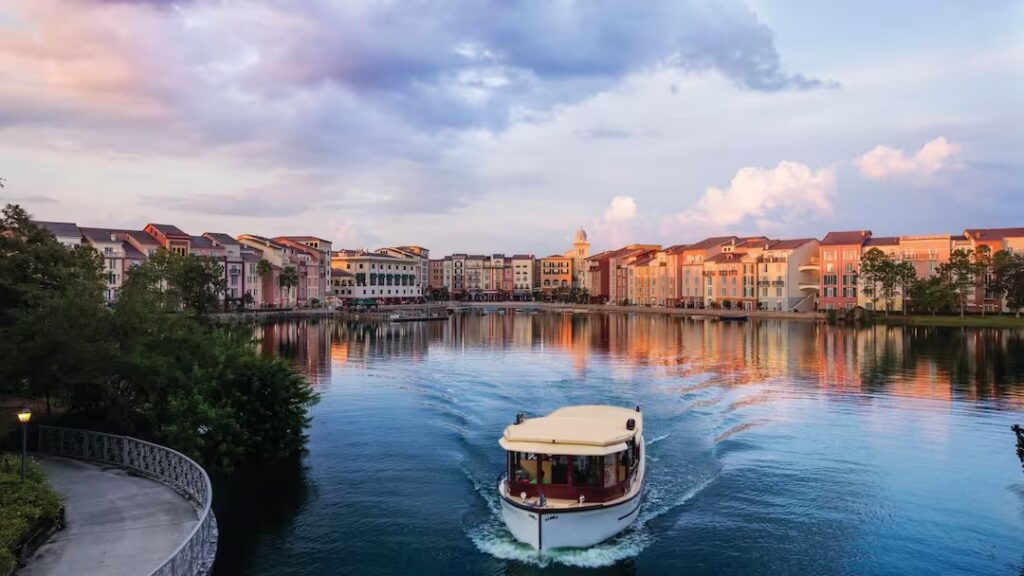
(775, 447)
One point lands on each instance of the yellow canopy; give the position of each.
(574, 430)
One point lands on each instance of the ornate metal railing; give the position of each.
(195, 555)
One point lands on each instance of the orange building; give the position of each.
(555, 272)
(840, 261)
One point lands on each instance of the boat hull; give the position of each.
(569, 528)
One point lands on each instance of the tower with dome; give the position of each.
(579, 254)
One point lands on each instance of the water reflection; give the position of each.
(775, 447)
(927, 362)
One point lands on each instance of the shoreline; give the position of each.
(553, 306)
(382, 313)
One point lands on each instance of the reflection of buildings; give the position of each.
(907, 361)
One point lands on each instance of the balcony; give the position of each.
(813, 265)
(778, 282)
(804, 286)
(764, 283)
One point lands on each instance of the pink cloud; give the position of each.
(883, 162)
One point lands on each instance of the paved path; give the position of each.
(116, 523)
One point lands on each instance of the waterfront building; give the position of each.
(555, 272)
(435, 277)
(67, 233)
(608, 272)
(578, 257)
(170, 237)
(730, 275)
(638, 279)
(787, 279)
(995, 239)
(278, 256)
(312, 258)
(524, 281)
(839, 255)
(237, 279)
(473, 276)
(382, 277)
(691, 291)
(418, 253)
(115, 254)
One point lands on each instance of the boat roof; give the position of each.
(574, 430)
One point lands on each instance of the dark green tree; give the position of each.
(959, 275)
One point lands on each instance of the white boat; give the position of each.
(573, 478)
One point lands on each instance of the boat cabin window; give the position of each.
(587, 471)
(597, 478)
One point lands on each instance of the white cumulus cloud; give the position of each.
(762, 198)
(622, 208)
(884, 162)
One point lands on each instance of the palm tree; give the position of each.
(288, 279)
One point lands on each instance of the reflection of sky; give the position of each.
(783, 447)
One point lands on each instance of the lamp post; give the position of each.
(23, 417)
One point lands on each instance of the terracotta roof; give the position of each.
(883, 241)
(676, 248)
(340, 272)
(643, 260)
(200, 242)
(846, 237)
(60, 228)
(142, 237)
(168, 229)
(131, 253)
(102, 234)
(993, 233)
(789, 244)
(522, 257)
(726, 257)
(710, 242)
(221, 238)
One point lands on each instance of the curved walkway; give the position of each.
(116, 523)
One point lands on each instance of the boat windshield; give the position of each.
(596, 478)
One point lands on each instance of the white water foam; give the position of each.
(657, 439)
(491, 537)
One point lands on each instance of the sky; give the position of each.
(503, 126)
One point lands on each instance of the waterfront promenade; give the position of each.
(117, 523)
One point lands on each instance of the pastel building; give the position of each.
(524, 282)
(786, 278)
(555, 272)
(691, 288)
(578, 257)
(839, 256)
(382, 277)
(67, 233)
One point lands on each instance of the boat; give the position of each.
(573, 478)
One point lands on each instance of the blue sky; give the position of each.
(502, 126)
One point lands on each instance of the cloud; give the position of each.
(622, 209)
(761, 199)
(883, 162)
(31, 199)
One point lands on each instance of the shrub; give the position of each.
(27, 508)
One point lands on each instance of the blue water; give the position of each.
(774, 447)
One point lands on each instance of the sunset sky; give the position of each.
(502, 126)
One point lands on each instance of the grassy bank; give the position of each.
(955, 321)
(27, 509)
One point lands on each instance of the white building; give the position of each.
(382, 277)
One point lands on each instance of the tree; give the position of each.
(959, 274)
(1008, 278)
(874, 266)
(983, 272)
(288, 279)
(179, 282)
(902, 275)
(931, 295)
(53, 322)
(150, 366)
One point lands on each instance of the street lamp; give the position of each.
(23, 417)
